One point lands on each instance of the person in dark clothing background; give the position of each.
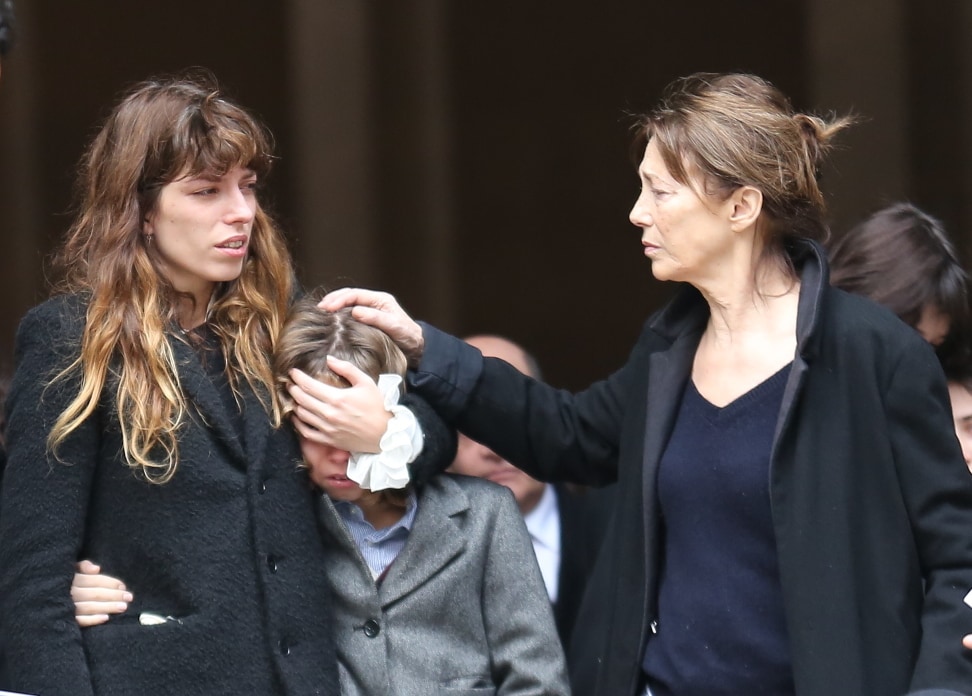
(566, 526)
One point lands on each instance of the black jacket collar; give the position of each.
(688, 311)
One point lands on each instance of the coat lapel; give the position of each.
(203, 394)
(436, 538)
(668, 372)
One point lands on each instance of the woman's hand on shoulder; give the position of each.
(967, 641)
(381, 310)
(352, 419)
(97, 596)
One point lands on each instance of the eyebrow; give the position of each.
(214, 178)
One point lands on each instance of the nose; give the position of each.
(241, 207)
(640, 216)
(337, 456)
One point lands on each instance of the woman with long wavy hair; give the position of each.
(142, 425)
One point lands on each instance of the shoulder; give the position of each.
(861, 342)
(59, 314)
(476, 497)
(473, 487)
(857, 322)
(53, 327)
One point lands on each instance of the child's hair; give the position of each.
(310, 334)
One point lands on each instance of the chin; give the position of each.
(665, 272)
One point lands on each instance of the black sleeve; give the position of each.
(551, 434)
(45, 502)
(439, 446)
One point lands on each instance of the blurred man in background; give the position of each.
(566, 527)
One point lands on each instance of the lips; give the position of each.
(237, 242)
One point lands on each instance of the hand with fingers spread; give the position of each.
(381, 310)
(97, 596)
(352, 419)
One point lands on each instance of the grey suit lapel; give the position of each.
(436, 538)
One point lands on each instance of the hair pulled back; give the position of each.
(733, 130)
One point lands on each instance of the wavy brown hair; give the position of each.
(161, 131)
(737, 129)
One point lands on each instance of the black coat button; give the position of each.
(272, 563)
(284, 647)
(263, 487)
(372, 628)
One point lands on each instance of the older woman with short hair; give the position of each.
(792, 517)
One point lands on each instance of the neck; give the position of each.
(192, 314)
(750, 303)
(528, 503)
(378, 510)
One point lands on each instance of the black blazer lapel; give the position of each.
(668, 373)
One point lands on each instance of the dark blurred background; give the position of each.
(472, 157)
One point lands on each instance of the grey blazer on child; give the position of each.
(462, 610)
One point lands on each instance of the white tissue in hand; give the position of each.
(400, 445)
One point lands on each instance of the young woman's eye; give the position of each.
(205, 191)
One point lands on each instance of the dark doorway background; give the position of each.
(473, 157)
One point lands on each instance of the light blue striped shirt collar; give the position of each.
(378, 547)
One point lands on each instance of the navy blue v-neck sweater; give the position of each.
(720, 624)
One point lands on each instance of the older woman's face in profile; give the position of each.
(684, 236)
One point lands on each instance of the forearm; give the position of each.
(438, 441)
(550, 433)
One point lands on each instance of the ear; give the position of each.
(148, 229)
(745, 206)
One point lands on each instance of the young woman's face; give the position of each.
(685, 237)
(201, 229)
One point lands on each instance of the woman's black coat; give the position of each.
(871, 500)
(228, 552)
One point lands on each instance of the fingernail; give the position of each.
(128, 596)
